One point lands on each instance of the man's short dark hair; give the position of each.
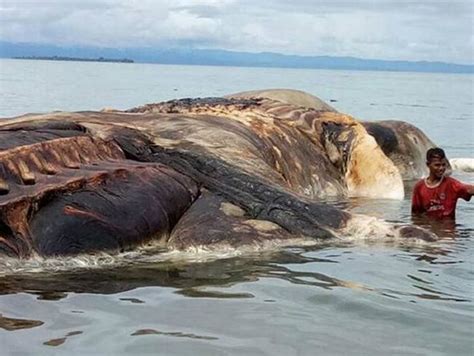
(435, 152)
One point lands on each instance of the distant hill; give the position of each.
(75, 59)
(227, 58)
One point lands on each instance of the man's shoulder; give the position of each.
(451, 180)
(460, 189)
(419, 184)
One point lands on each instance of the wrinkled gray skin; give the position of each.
(404, 144)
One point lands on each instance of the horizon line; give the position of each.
(171, 48)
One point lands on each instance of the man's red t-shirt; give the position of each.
(438, 201)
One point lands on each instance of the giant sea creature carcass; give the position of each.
(247, 168)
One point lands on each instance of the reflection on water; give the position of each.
(375, 286)
(11, 324)
(60, 341)
(187, 278)
(445, 228)
(174, 334)
(133, 300)
(198, 279)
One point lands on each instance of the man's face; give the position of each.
(437, 167)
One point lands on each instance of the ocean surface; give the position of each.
(360, 296)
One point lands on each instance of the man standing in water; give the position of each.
(436, 195)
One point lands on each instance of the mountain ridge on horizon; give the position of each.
(219, 57)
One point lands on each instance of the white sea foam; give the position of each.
(223, 250)
(462, 164)
(363, 227)
(9, 265)
(151, 253)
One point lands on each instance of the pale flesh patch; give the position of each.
(263, 225)
(231, 209)
(370, 173)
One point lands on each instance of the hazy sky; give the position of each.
(439, 30)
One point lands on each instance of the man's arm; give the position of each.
(465, 191)
(470, 189)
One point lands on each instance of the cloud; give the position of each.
(409, 30)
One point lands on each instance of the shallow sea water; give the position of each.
(351, 296)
